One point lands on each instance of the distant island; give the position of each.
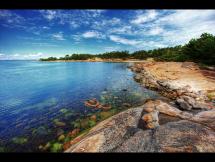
(200, 50)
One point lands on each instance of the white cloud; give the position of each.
(73, 24)
(146, 17)
(183, 25)
(93, 34)
(58, 36)
(155, 31)
(124, 40)
(104, 23)
(121, 30)
(96, 13)
(11, 18)
(46, 27)
(49, 14)
(18, 56)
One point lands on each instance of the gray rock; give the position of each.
(183, 104)
(182, 136)
(183, 132)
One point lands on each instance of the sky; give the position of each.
(34, 34)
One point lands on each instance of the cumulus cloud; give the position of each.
(49, 14)
(58, 36)
(93, 34)
(145, 17)
(9, 17)
(183, 25)
(125, 41)
(155, 31)
(96, 13)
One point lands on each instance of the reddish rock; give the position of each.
(93, 117)
(74, 132)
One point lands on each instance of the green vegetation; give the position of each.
(56, 147)
(200, 50)
(114, 55)
(49, 59)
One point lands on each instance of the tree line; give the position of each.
(200, 50)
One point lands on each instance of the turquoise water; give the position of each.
(33, 94)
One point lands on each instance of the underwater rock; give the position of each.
(20, 140)
(40, 131)
(74, 132)
(92, 103)
(61, 138)
(93, 117)
(2, 149)
(126, 105)
(56, 147)
(47, 146)
(105, 107)
(91, 123)
(64, 110)
(59, 123)
(104, 92)
(60, 132)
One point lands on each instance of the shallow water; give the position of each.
(34, 95)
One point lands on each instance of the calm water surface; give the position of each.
(33, 94)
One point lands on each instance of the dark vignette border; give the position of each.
(107, 4)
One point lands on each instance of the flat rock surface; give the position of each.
(110, 133)
(179, 131)
(180, 74)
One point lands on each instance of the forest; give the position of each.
(200, 50)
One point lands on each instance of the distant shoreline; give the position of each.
(105, 60)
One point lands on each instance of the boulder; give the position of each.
(183, 104)
(109, 133)
(179, 131)
(181, 136)
(138, 78)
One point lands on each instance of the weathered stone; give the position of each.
(206, 117)
(93, 117)
(108, 134)
(121, 133)
(183, 104)
(182, 136)
(138, 78)
(126, 105)
(165, 108)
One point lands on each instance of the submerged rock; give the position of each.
(61, 137)
(59, 123)
(20, 140)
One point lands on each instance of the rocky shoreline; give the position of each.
(185, 97)
(187, 124)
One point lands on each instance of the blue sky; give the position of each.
(32, 34)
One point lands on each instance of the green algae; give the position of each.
(59, 123)
(91, 123)
(42, 130)
(64, 110)
(56, 147)
(2, 149)
(61, 137)
(20, 140)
